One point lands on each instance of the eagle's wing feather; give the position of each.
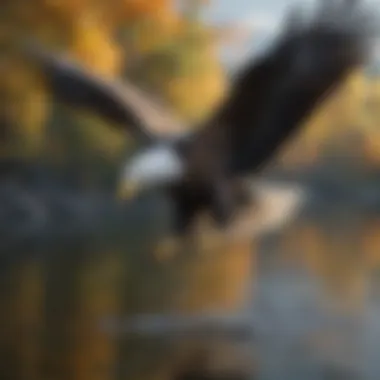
(274, 95)
(122, 103)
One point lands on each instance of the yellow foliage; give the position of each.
(133, 9)
(105, 140)
(183, 66)
(92, 44)
(370, 243)
(373, 147)
(195, 96)
(188, 73)
(86, 29)
(32, 118)
(24, 105)
(345, 111)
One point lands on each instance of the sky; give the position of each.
(228, 10)
(260, 16)
(265, 12)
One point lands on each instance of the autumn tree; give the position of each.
(176, 55)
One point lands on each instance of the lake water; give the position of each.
(303, 303)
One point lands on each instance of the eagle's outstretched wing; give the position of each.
(276, 93)
(121, 103)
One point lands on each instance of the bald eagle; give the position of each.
(206, 169)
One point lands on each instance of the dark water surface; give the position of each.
(303, 303)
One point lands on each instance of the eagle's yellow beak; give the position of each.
(127, 190)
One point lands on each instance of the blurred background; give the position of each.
(300, 303)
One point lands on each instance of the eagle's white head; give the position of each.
(156, 166)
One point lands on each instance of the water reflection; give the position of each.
(303, 303)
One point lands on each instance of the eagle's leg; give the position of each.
(207, 235)
(244, 197)
(175, 242)
(232, 209)
(211, 232)
(247, 201)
